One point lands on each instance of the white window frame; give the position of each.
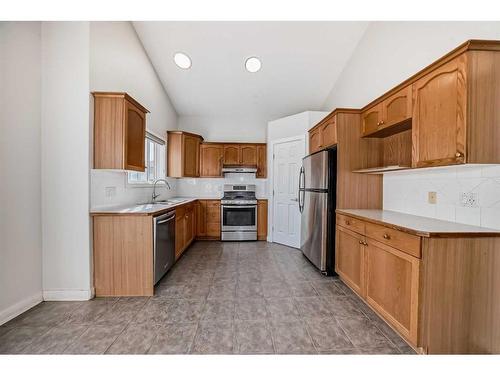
(159, 168)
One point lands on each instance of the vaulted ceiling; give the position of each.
(300, 64)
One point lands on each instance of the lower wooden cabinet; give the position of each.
(386, 277)
(349, 259)
(392, 286)
(262, 219)
(208, 219)
(185, 228)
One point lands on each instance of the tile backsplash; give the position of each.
(110, 188)
(407, 191)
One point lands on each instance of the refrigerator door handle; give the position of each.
(301, 187)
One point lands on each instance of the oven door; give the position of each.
(236, 218)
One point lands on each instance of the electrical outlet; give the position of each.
(432, 197)
(469, 199)
(110, 191)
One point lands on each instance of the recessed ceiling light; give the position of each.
(253, 64)
(182, 60)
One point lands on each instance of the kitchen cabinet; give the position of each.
(232, 154)
(371, 119)
(324, 134)
(349, 259)
(185, 228)
(211, 156)
(208, 219)
(439, 115)
(389, 116)
(261, 161)
(119, 132)
(214, 155)
(392, 278)
(262, 219)
(183, 154)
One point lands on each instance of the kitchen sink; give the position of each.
(166, 201)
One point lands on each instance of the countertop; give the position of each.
(419, 225)
(142, 209)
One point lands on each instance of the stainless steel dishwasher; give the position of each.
(164, 244)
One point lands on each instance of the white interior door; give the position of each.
(286, 167)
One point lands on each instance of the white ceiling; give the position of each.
(300, 63)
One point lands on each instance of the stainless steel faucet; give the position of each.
(154, 196)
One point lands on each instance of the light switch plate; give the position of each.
(432, 197)
(469, 199)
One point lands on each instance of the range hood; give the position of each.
(231, 168)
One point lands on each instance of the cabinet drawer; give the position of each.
(405, 242)
(351, 223)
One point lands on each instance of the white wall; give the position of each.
(389, 53)
(20, 218)
(408, 192)
(225, 129)
(118, 62)
(65, 138)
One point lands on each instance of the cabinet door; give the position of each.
(349, 259)
(191, 156)
(179, 235)
(262, 219)
(329, 133)
(211, 160)
(397, 108)
(201, 219)
(135, 135)
(261, 161)
(439, 115)
(371, 119)
(314, 140)
(188, 226)
(231, 154)
(392, 286)
(248, 155)
(213, 218)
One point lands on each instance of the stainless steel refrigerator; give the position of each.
(317, 193)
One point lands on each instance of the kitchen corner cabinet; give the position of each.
(119, 132)
(262, 219)
(185, 228)
(211, 158)
(324, 134)
(183, 151)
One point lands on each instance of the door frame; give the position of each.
(270, 157)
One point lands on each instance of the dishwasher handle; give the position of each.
(165, 218)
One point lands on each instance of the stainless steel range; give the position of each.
(239, 213)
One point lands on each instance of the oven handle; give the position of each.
(236, 206)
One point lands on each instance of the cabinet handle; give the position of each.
(361, 242)
(348, 222)
(459, 154)
(386, 236)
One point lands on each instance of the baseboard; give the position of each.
(68, 294)
(20, 307)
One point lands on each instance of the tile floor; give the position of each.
(220, 298)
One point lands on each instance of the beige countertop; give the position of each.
(142, 209)
(419, 225)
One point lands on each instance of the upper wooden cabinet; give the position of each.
(119, 132)
(371, 119)
(439, 115)
(183, 159)
(214, 155)
(261, 161)
(392, 111)
(211, 156)
(324, 134)
(232, 154)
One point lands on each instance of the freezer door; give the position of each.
(316, 171)
(314, 228)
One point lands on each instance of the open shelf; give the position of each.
(390, 130)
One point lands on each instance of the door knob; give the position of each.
(295, 199)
